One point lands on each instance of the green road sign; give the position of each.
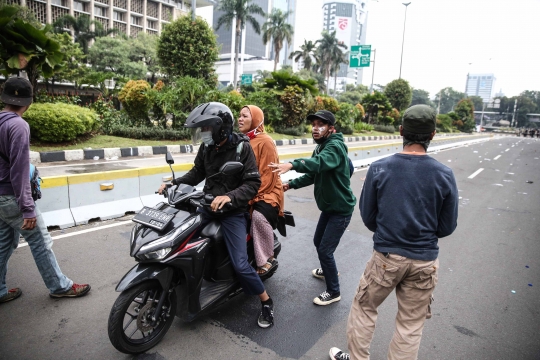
(247, 79)
(360, 56)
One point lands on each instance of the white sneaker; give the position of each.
(326, 299)
(337, 354)
(318, 273)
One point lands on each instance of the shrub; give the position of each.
(326, 103)
(44, 97)
(269, 104)
(345, 117)
(384, 128)
(361, 113)
(294, 106)
(150, 133)
(363, 127)
(299, 130)
(108, 116)
(60, 122)
(135, 100)
(233, 99)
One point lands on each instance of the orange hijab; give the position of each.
(271, 190)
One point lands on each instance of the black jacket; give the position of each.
(241, 188)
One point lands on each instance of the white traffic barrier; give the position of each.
(54, 202)
(103, 195)
(150, 179)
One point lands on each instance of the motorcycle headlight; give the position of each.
(168, 239)
(155, 255)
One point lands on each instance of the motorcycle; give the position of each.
(183, 267)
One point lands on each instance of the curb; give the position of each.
(116, 153)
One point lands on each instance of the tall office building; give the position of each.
(128, 16)
(480, 85)
(349, 19)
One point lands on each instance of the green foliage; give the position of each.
(60, 122)
(294, 106)
(233, 99)
(376, 106)
(108, 116)
(465, 112)
(353, 95)
(136, 102)
(299, 130)
(188, 48)
(361, 112)
(306, 74)
(277, 30)
(444, 123)
(24, 46)
(384, 128)
(448, 99)
(346, 117)
(82, 29)
(363, 127)
(421, 97)
(43, 97)
(399, 93)
(270, 105)
(306, 53)
(282, 79)
(329, 48)
(326, 103)
(74, 67)
(143, 49)
(478, 102)
(150, 133)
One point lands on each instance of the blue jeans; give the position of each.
(39, 240)
(330, 229)
(234, 229)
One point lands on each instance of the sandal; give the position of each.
(266, 267)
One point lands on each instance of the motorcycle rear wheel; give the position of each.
(131, 329)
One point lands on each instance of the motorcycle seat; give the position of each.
(213, 230)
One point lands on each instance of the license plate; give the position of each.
(153, 218)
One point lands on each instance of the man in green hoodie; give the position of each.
(328, 169)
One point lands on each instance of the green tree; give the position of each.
(111, 55)
(242, 11)
(277, 30)
(464, 109)
(338, 58)
(143, 48)
(328, 49)
(282, 79)
(74, 67)
(353, 94)
(23, 46)
(188, 48)
(421, 97)
(306, 53)
(447, 98)
(376, 105)
(478, 102)
(306, 74)
(81, 28)
(399, 93)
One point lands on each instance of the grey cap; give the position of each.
(420, 119)
(17, 91)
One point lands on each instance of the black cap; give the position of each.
(17, 91)
(420, 119)
(324, 115)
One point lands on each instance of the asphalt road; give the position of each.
(484, 307)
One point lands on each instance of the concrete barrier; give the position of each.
(54, 202)
(150, 179)
(103, 195)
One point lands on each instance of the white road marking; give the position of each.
(85, 231)
(496, 157)
(506, 149)
(473, 175)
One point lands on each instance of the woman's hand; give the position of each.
(219, 202)
(280, 168)
(286, 187)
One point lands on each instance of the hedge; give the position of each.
(150, 133)
(59, 122)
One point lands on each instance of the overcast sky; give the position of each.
(446, 39)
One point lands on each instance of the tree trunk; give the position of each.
(236, 51)
(276, 59)
(335, 82)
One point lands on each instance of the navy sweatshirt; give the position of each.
(409, 202)
(15, 175)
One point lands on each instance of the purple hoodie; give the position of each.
(15, 178)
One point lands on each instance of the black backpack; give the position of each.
(35, 180)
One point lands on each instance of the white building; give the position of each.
(480, 85)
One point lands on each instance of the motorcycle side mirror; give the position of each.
(231, 168)
(168, 158)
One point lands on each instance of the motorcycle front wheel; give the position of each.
(131, 328)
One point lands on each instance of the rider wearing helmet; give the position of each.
(221, 144)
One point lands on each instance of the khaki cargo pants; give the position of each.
(414, 281)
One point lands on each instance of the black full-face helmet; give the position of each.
(214, 114)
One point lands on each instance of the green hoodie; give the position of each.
(328, 169)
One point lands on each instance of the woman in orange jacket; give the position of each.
(267, 205)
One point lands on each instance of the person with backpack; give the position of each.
(267, 205)
(231, 193)
(18, 211)
(329, 169)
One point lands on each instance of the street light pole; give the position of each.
(403, 41)
(193, 7)
(373, 73)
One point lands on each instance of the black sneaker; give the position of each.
(266, 317)
(336, 354)
(326, 298)
(318, 273)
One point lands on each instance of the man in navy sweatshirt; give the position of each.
(409, 200)
(18, 212)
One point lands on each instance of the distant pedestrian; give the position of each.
(328, 168)
(18, 211)
(409, 200)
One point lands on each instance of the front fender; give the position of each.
(143, 272)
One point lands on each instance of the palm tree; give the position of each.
(339, 58)
(328, 47)
(305, 53)
(242, 11)
(82, 29)
(278, 30)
